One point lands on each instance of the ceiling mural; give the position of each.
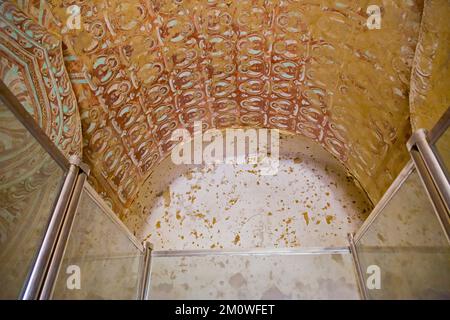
(32, 66)
(142, 68)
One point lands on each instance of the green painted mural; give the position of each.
(32, 66)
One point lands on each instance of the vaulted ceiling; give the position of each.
(141, 68)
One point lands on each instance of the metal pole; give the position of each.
(357, 264)
(433, 177)
(433, 194)
(251, 252)
(419, 142)
(145, 277)
(58, 253)
(38, 271)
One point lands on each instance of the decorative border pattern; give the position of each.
(32, 65)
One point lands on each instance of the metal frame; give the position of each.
(14, 105)
(37, 274)
(391, 191)
(243, 252)
(43, 258)
(434, 179)
(112, 216)
(419, 142)
(393, 249)
(43, 271)
(358, 269)
(145, 276)
(252, 252)
(58, 252)
(54, 269)
(440, 207)
(432, 175)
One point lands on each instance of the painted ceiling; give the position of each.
(32, 66)
(141, 68)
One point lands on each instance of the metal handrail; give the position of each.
(251, 252)
(37, 273)
(434, 179)
(424, 160)
(43, 271)
(432, 174)
(146, 269)
(58, 252)
(357, 265)
(38, 270)
(54, 269)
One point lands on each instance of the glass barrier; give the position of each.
(407, 243)
(253, 276)
(442, 146)
(30, 182)
(100, 260)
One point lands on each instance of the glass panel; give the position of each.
(100, 256)
(305, 276)
(407, 243)
(442, 146)
(30, 181)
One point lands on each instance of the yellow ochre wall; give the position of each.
(430, 81)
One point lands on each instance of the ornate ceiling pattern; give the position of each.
(32, 66)
(142, 68)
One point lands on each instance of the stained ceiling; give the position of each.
(142, 68)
